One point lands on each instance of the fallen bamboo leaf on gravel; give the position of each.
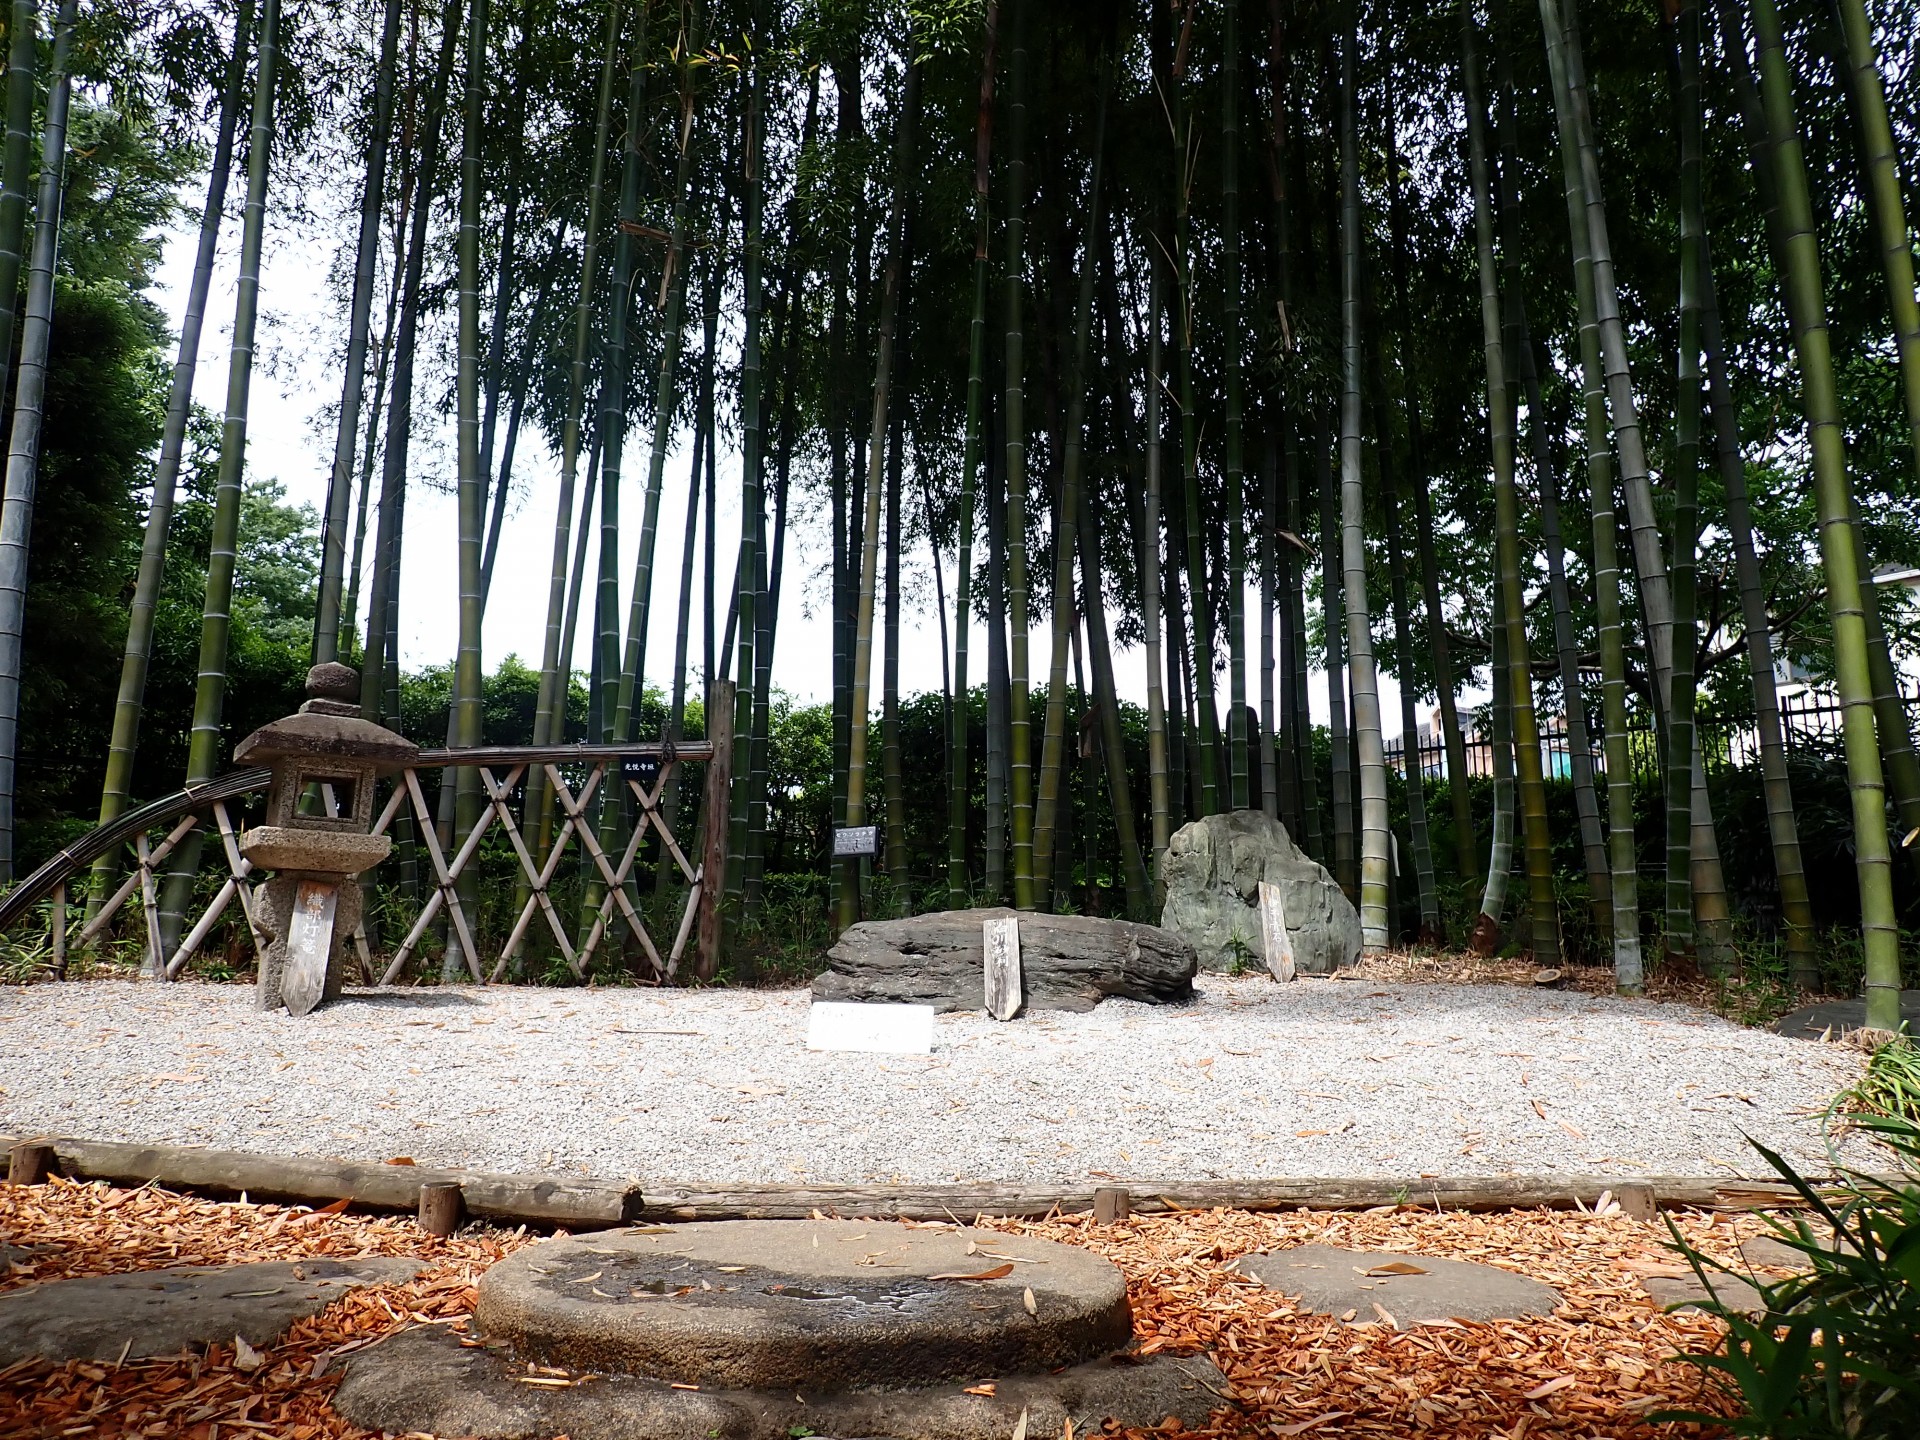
(1396, 1267)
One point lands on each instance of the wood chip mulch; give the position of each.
(1595, 1369)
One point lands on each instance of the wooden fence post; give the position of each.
(719, 805)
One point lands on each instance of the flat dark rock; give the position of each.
(1329, 1281)
(162, 1312)
(785, 1303)
(1067, 962)
(425, 1381)
(1685, 1292)
(1810, 1022)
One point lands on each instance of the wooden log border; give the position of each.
(592, 1204)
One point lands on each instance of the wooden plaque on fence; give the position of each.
(1002, 943)
(309, 944)
(1274, 939)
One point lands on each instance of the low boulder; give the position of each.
(1067, 962)
(1213, 872)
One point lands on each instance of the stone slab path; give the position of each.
(1402, 1290)
(162, 1312)
(1810, 1022)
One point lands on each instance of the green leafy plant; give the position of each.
(1834, 1354)
(1890, 1086)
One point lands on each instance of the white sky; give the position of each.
(293, 382)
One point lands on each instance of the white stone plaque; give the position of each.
(853, 841)
(309, 943)
(1273, 933)
(872, 1029)
(1001, 941)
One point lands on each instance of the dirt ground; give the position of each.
(1597, 1368)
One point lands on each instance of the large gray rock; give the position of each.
(425, 1381)
(778, 1304)
(1213, 872)
(1067, 962)
(161, 1312)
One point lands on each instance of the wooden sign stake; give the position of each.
(1274, 939)
(1002, 942)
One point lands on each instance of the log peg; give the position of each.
(441, 1207)
(30, 1162)
(1111, 1205)
(1636, 1201)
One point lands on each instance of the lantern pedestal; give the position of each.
(311, 908)
(325, 761)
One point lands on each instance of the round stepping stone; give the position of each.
(162, 1312)
(1358, 1285)
(787, 1304)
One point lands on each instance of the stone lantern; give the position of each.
(325, 761)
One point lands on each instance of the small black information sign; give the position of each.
(644, 768)
(850, 841)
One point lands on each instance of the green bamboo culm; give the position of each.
(1685, 485)
(1014, 422)
(1881, 161)
(1879, 924)
(468, 699)
(892, 283)
(1375, 839)
(23, 444)
(203, 751)
(958, 889)
(1239, 789)
(752, 490)
(1486, 935)
(671, 308)
(333, 532)
(556, 656)
(1540, 437)
(1158, 760)
(1206, 748)
(380, 660)
(1047, 811)
(16, 166)
(1796, 907)
(131, 700)
(1542, 909)
(1628, 964)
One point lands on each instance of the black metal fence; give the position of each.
(1808, 722)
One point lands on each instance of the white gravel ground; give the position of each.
(1318, 1078)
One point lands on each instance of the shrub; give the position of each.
(1836, 1351)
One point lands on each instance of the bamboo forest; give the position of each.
(1482, 437)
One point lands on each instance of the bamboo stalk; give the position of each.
(1374, 837)
(958, 888)
(130, 702)
(333, 532)
(1839, 557)
(1542, 911)
(892, 283)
